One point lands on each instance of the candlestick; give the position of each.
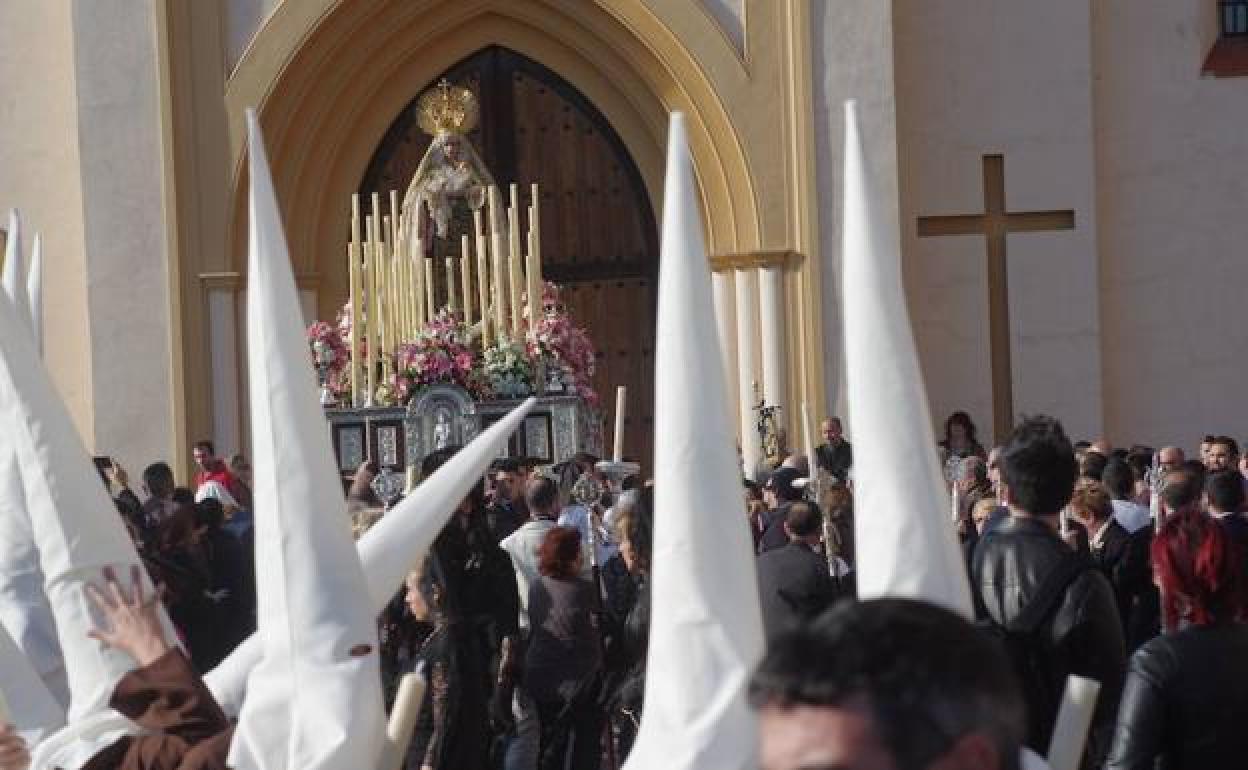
(451, 301)
(621, 403)
(465, 276)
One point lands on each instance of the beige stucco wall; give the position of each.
(1172, 149)
(80, 154)
(39, 174)
(1013, 78)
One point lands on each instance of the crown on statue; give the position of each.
(447, 109)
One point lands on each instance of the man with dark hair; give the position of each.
(887, 683)
(213, 468)
(835, 455)
(1092, 466)
(1119, 481)
(794, 583)
(506, 510)
(159, 485)
(1055, 613)
(1182, 489)
(1223, 454)
(779, 492)
(1224, 496)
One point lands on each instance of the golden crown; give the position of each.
(447, 109)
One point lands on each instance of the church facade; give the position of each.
(1066, 180)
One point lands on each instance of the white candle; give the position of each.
(498, 248)
(1073, 717)
(417, 258)
(357, 296)
(430, 305)
(483, 277)
(370, 325)
(407, 705)
(465, 276)
(514, 256)
(451, 301)
(621, 403)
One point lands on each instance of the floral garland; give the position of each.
(564, 347)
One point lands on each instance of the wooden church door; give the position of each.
(599, 240)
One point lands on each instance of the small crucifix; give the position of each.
(995, 224)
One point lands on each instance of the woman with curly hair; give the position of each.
(1185, 704)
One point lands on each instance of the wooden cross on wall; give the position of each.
(995, 224)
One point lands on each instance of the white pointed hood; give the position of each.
(904, 539)
(32, 709)
(394, 545)
(13, 276)
(314, 700)
(705, 624)
(24, 610)
(75, 525)
(34, 291)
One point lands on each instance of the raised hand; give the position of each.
(13, 752)
(132, 620)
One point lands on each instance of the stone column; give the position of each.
(775, 362)
(726, 325)
(747, 366)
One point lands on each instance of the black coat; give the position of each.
(836, 460)
(1080, 635)
(1124, 558)
(1185, 702)
(774, 535)
(794, 585)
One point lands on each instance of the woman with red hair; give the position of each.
(1185, 702)
(564, 662)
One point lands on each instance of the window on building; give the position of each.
(1229, 57)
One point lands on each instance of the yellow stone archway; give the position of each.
(329, 76)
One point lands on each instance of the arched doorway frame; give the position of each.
(327, 77)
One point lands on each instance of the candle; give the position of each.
(407, 705)
(465, 276)
(483, 277)
(621, 403)
(497, 249)
(533, 277)
(356, 281)
(515, 279)
(370, 327)
(1070, 732)
(429, 303)
(416, 257)
(535, 226)
(451, 301)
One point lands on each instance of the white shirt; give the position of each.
(577, 516)
(522, 546)
(1132, 516)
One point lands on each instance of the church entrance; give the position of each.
(599, 239)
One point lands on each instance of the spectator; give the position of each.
(213, 468)
(794, 581)
(887, 683)
(779, 492)
(1119, 481)
(1184, 704)
(564, 659)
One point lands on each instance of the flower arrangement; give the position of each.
(446, 351)
(508, 368)
(441, 354)
(563, 347)
(331, 356)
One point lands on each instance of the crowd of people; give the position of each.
(529, 617)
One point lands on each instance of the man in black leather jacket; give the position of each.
(1054, 611)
